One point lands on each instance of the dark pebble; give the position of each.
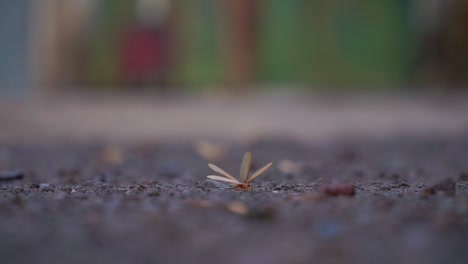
(403, 184)
(11, 175)
(45, 187)
(34, 186)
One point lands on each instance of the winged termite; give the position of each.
(244, 183)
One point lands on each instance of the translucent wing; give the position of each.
(220, 178)
(245, 166)
(260, 172)
(220, 171)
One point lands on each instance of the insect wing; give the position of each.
(260, 172)
(245, 166)
(220, 171)
(220, 178)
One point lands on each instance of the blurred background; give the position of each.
(111, 109)
(190, 47)
(193, 45)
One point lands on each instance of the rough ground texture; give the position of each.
(150, 202)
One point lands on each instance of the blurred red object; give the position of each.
(336, 189)
(144, 54)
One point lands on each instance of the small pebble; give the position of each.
(46, 187)
(34, 186)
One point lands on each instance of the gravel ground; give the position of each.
(150, 202)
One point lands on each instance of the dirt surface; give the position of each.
(300, 116)
(150, 202)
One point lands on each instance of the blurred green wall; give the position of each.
(336, 42)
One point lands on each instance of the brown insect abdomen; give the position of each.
(242, 186)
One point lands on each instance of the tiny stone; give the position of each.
(34, 186)
(45, 187)
(404, 184)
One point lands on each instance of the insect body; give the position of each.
(244, 172)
